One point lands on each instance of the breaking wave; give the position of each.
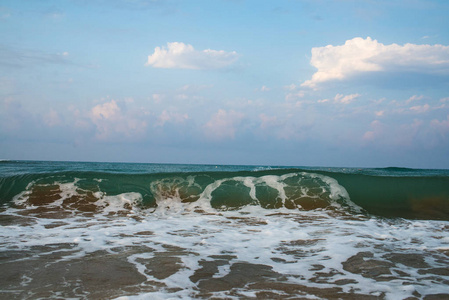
(415, 197)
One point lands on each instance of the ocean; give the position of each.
(165, 231)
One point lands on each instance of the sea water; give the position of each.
(159, 231)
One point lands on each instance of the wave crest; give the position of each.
(184, 194)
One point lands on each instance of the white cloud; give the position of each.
(195, 88)
(111, 121)
(360, 55)
(414, 98)
(377, 129)
(442, 126)
(183, 56)
(294, 95)
(174, 117)
(52, 118)
(339, 98)
(420, 108)
(291, 87)
(106, 111)
(223, 124)
(379, 101)
(158, 97)
(379, 113)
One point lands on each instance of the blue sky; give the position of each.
(296, 82)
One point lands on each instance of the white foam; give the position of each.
(119, 202)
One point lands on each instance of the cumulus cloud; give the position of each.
(442, 126)
(158, 97)
(358, 56)
(294, 95)
(223, 124)
(377, 129)
(420, 108)
(183, 56)
(110, 120)
(106, 111)
(414, 98)
(174, 117)
(379, 113)
(339, 98)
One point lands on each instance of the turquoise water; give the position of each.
(389, 192)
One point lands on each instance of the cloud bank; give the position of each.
(358, 56)
(184, 56)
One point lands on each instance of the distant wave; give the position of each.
(397, 169)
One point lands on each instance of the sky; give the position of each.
(338, 83)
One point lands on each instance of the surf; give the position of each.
(390, 192)
(139, 231)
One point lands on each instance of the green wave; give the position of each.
(414, 197)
